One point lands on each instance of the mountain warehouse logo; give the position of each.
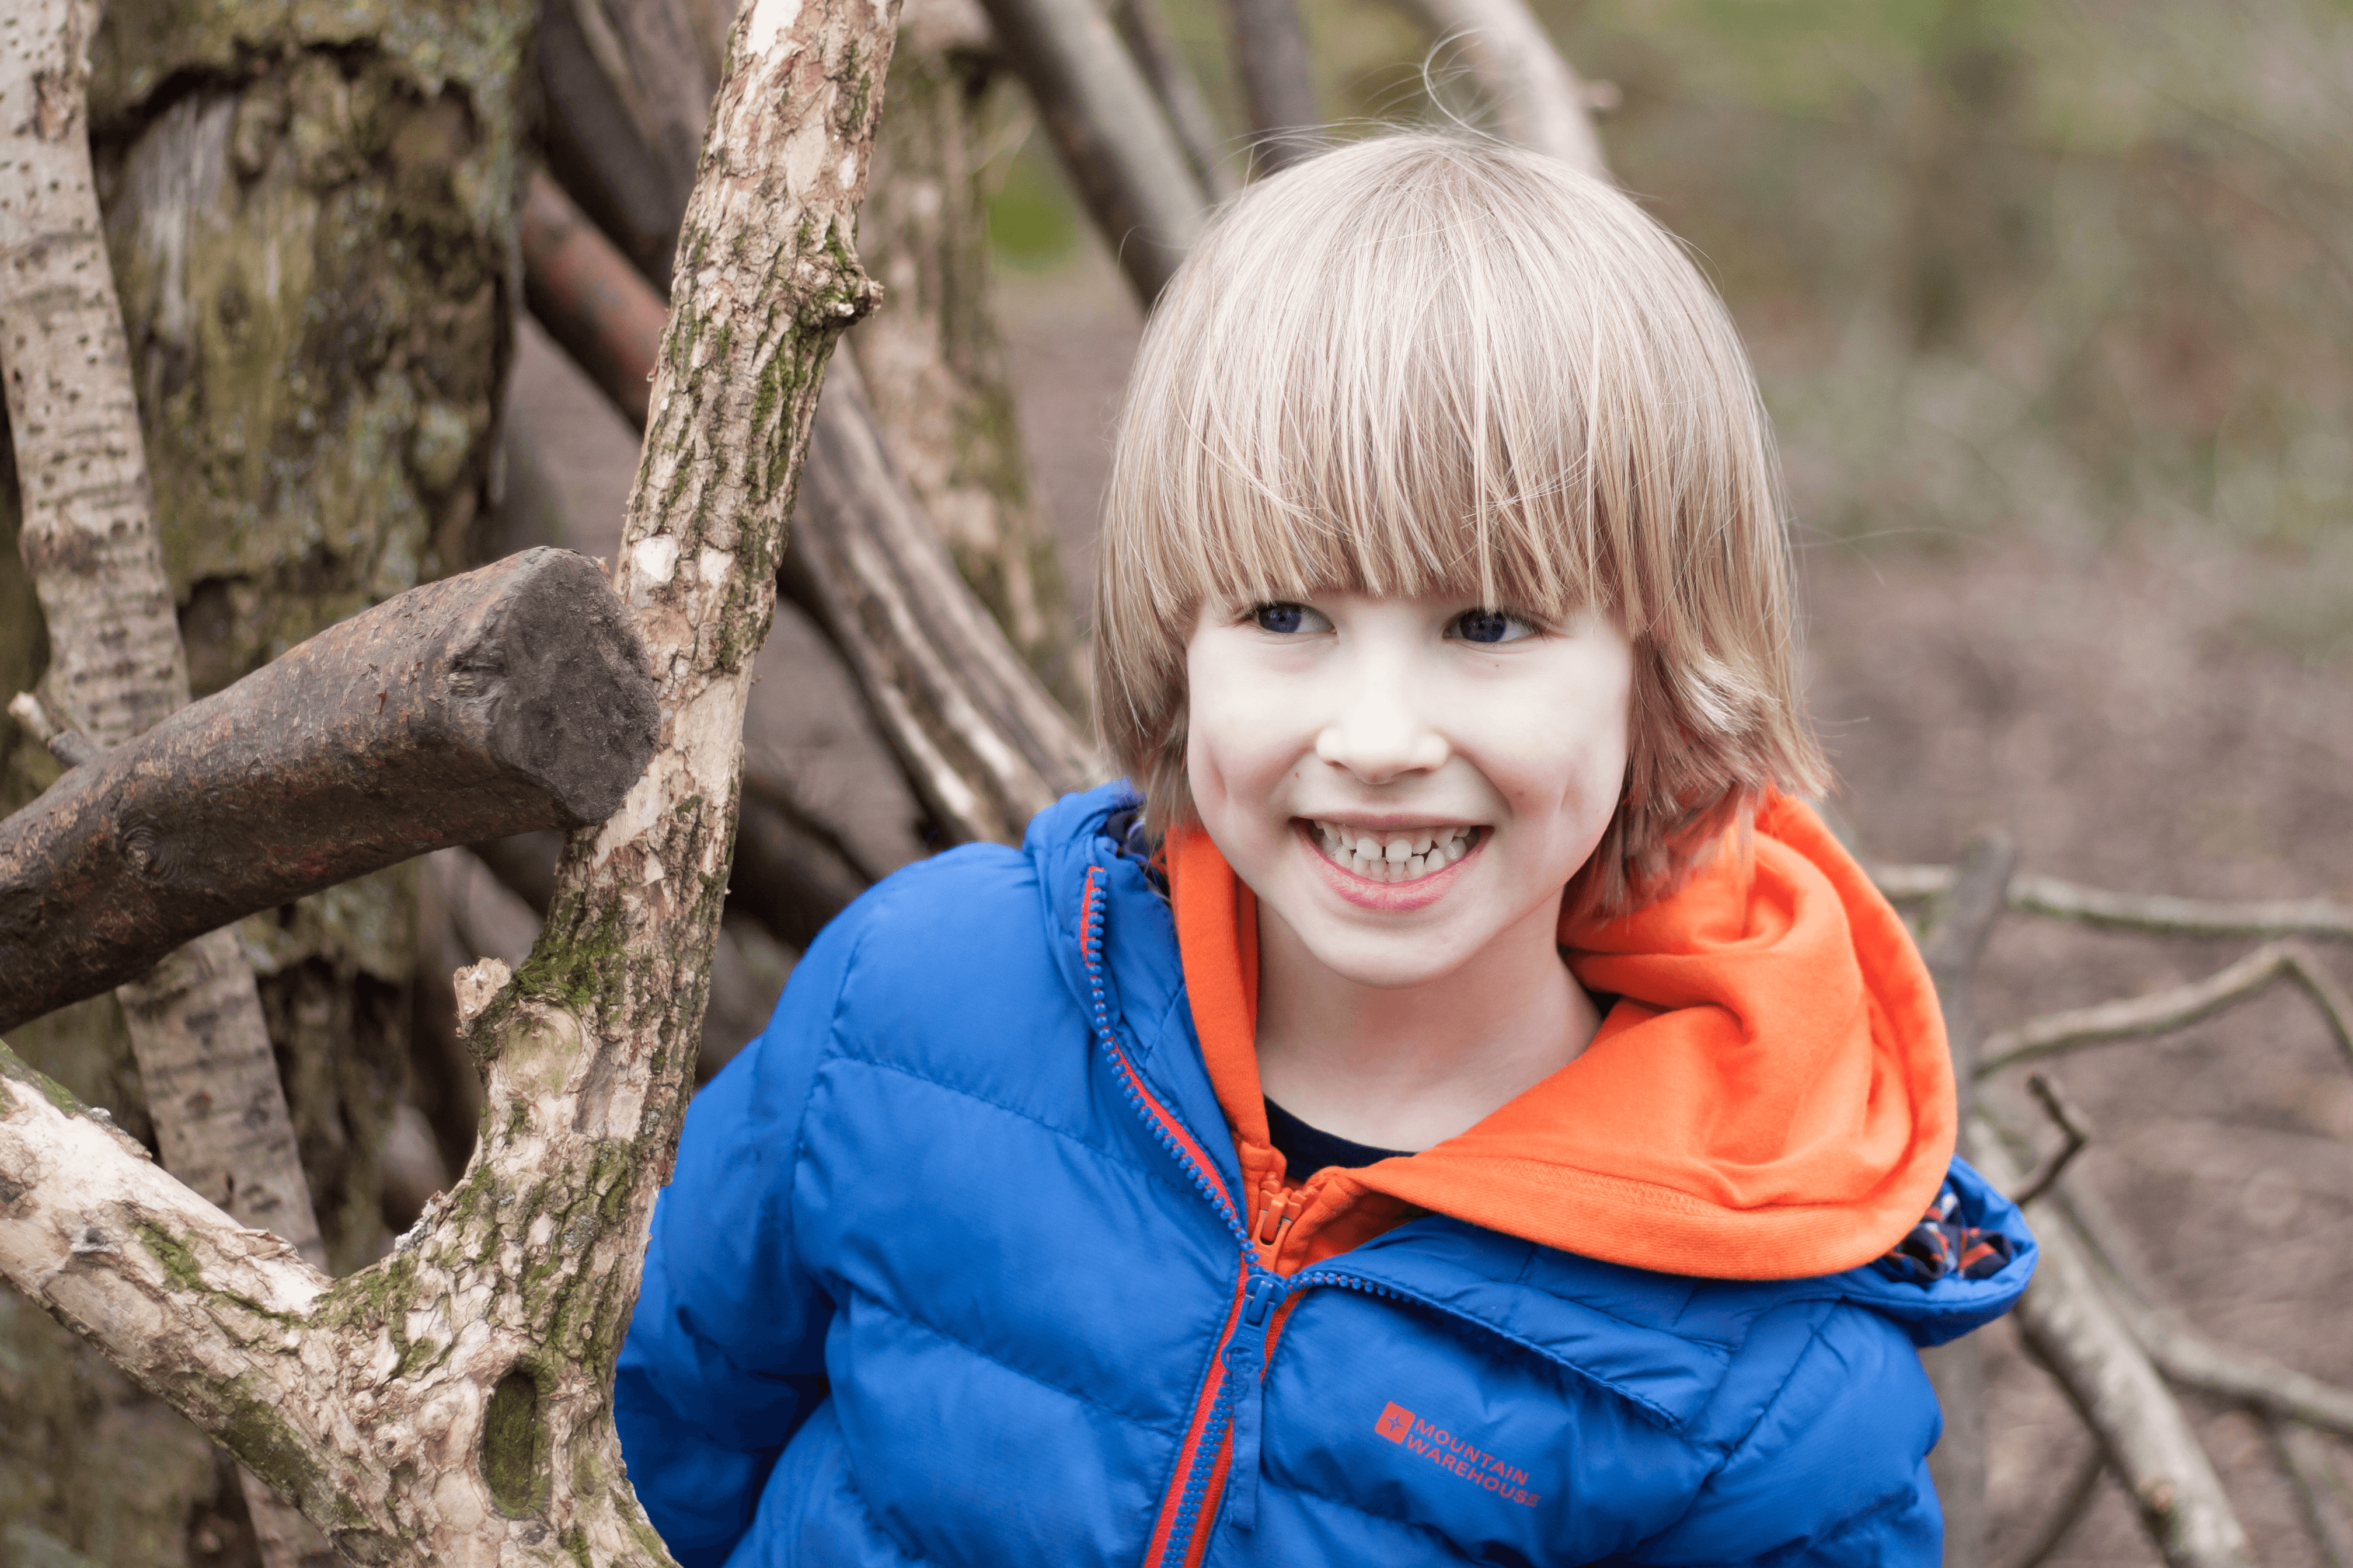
(1454, 1456)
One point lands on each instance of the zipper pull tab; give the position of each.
(1246, 1370)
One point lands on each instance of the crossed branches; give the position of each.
(2092, 1316)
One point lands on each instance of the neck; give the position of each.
(1405, 1067)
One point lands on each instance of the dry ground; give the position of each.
(2124, 711)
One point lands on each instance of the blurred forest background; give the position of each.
(2053, 307)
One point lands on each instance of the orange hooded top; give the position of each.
(1771, 1098)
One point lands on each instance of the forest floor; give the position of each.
(2131, 713)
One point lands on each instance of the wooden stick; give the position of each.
(2156, 913)
(1145, 31)
(2073, 1504)
(512, 698)
(2073, 1325)
(2177, 1007)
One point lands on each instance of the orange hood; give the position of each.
(1771, 1100)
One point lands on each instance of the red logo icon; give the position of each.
(1395, 1422)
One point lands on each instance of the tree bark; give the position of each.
(117, 664)
(450, 1404)
(512, 699)
(309, 212)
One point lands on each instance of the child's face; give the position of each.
(1476, 756)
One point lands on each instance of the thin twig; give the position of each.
(2159, 914)
(2071, 1125)
(2072, 1506)
(2304, 1455)
(2162, 1012)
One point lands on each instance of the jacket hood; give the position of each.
(1771, 1098)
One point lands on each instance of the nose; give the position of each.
(1379, 731)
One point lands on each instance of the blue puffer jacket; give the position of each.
(949, 1274)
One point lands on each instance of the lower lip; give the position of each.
(1389, 897)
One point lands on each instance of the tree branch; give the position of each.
(2072, 1324)
(2162, 1012)
(1278, 79)
(1119, 148)
(372, 1401)
(978, 736)
(1145, 31)
(2156, 913)
(1540, 100)
(511, 697)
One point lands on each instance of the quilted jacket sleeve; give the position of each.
(725, 1357)
(1834, 1472)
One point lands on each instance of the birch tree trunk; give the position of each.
(450, 1404)
(307, 215)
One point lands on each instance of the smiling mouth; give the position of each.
(1392, 856)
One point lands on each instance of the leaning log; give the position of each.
(510, 699)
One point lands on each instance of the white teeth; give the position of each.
(1404, 858)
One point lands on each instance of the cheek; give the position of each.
(1231, 747)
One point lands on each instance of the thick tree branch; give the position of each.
(450, 1404)
(512, 698)
(2179, 1006)
(1119, 147)
(2073, 1326)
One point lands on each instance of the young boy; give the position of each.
(1464, 1109)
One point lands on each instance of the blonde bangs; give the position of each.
(1420, 365)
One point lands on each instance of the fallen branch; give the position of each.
(451, 1404)
(1540, 101)
(2162, 1012)
(2157, 914)
(2073, 1325)
(590, 299)
(67, 745)
(1120, 150)
(509, 699)
(2305, 1458)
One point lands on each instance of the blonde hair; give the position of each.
(1419, 365)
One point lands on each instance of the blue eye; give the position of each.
(1284, 620)
(1490, 627)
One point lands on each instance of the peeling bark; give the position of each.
(450, 1404)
